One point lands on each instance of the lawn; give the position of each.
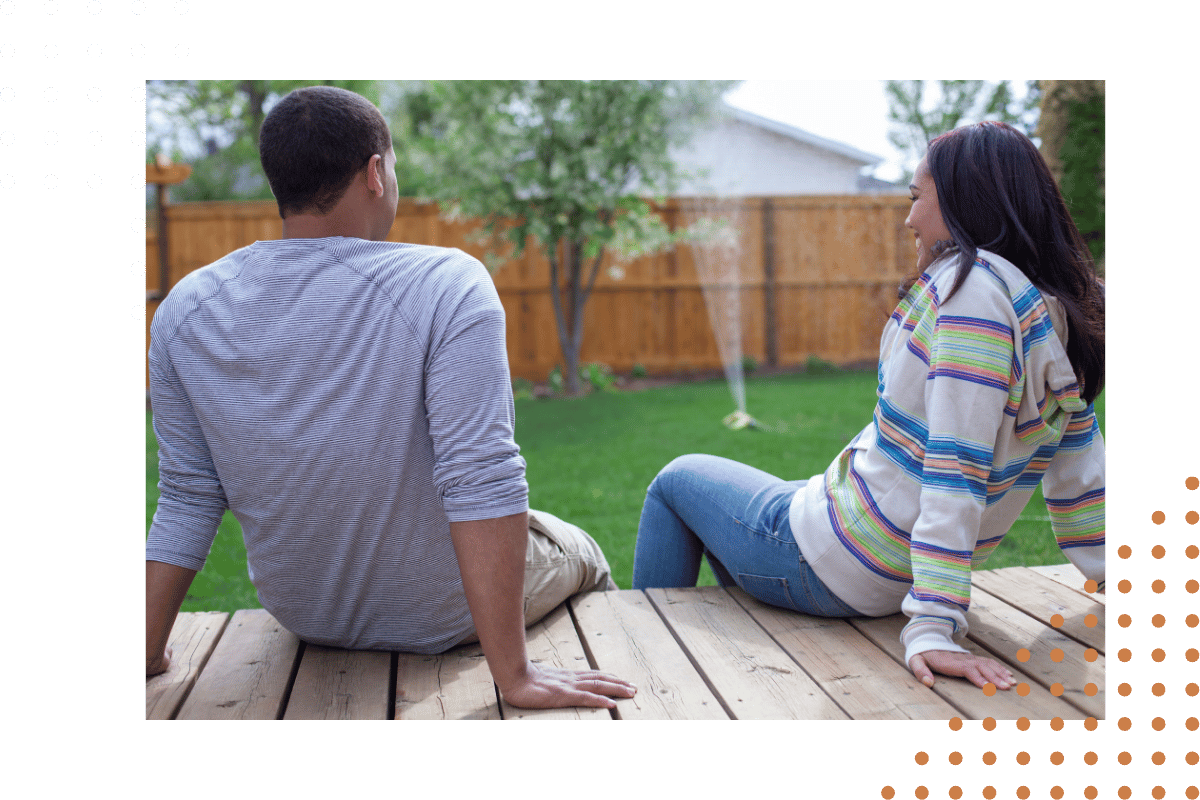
(591, 458)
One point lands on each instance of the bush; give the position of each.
(555, 379)
(599, 376)
(522, 389)
(819, 366)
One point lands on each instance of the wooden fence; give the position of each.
(817, 277)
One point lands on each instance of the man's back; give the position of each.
(348, 398)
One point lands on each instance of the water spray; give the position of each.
(739, 420)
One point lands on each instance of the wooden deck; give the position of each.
(704, 653)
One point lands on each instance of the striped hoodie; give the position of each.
(978, 404)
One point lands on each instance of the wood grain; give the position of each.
(248, 674)
(193, 638)
(749, 672)
(625, 636)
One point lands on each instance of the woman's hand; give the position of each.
(977, 669)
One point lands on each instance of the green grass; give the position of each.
(591, 458)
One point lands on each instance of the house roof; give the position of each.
(783, 129)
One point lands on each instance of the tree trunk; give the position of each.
(576, 300)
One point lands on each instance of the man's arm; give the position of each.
(491, 557)
(166, 586)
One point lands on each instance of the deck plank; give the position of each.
(1069, 576)
(750, 673)
(1005, 629)
(193, 637)
(341, 684)
(453, 685)
(625, 636)
(862, 679)
(968, 698)
(554, 641)
(248, 673)
(1042, 597)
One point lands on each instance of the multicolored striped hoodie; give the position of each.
(978, 404)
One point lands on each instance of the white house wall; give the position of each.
(747, 160)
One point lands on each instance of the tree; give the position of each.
(567, 164)
(214, 125)
(1071, 128)
(919, 112)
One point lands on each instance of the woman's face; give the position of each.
(925, 217)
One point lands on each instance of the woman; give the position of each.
(987, 372)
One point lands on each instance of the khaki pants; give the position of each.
(561, 560)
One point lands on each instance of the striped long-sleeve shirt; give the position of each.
(346, 400)
(977, 405)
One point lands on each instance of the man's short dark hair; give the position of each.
(314, 141)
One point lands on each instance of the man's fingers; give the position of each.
(608, 687)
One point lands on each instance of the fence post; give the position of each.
(162, 173)
(768, 259)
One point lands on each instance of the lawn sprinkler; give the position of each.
(738, 420)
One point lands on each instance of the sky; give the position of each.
(853, 112)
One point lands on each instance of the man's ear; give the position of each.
(375, 175)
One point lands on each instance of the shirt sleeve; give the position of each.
(966, 393)
(479, 472)
(191, 499)
(1073, 487)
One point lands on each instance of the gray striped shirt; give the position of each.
(346, 400)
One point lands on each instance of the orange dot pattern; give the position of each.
(1158, 688)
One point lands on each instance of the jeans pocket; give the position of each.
(773, 591)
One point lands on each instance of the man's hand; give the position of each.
(491, 558)
(977, 669)
(157, 666)
(551, 687)
(166, 586)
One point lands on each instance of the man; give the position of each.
(349, 400)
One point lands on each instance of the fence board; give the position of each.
(837, 262)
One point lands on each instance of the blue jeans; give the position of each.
(737, 516)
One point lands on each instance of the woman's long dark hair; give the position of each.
(996, 193)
